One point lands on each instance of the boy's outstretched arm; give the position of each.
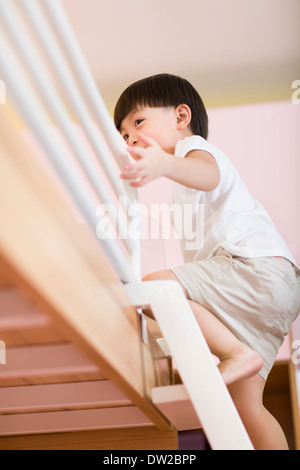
(198, 170)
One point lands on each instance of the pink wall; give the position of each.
(263, 141)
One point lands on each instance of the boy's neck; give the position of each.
(183, 134)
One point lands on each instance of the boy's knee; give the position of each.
(158, 275)
(164, 275)
(149, 277)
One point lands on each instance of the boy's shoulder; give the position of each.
(194, 142)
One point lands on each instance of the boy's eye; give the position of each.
(137, 122)
(125, 137)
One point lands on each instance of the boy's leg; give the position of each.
(263, 429)
(237, 360)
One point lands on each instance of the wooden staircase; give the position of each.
(77, 374)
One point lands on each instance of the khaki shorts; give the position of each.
(256, 298)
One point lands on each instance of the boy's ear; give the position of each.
(183, 116)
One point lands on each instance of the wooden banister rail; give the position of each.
(59, 264)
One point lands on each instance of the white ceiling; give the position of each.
(231, 50)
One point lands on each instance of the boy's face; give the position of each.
(158, 123)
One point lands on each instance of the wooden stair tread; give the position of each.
(74, 420)
(174, 402)
(61, 397)
(47, 364)
(21, 323)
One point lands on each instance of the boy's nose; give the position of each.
(133, 141)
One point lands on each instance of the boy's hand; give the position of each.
(152, 162)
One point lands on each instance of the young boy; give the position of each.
(242, 282)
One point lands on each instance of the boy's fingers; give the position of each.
(131, 172)
(139, 183)
(147, 140)
(128, 175)
(137, 151)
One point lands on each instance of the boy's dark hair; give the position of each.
(159, 91)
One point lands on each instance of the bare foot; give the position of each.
(241, 363)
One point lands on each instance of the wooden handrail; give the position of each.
(60, 265)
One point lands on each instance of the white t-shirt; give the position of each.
(227, 217)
